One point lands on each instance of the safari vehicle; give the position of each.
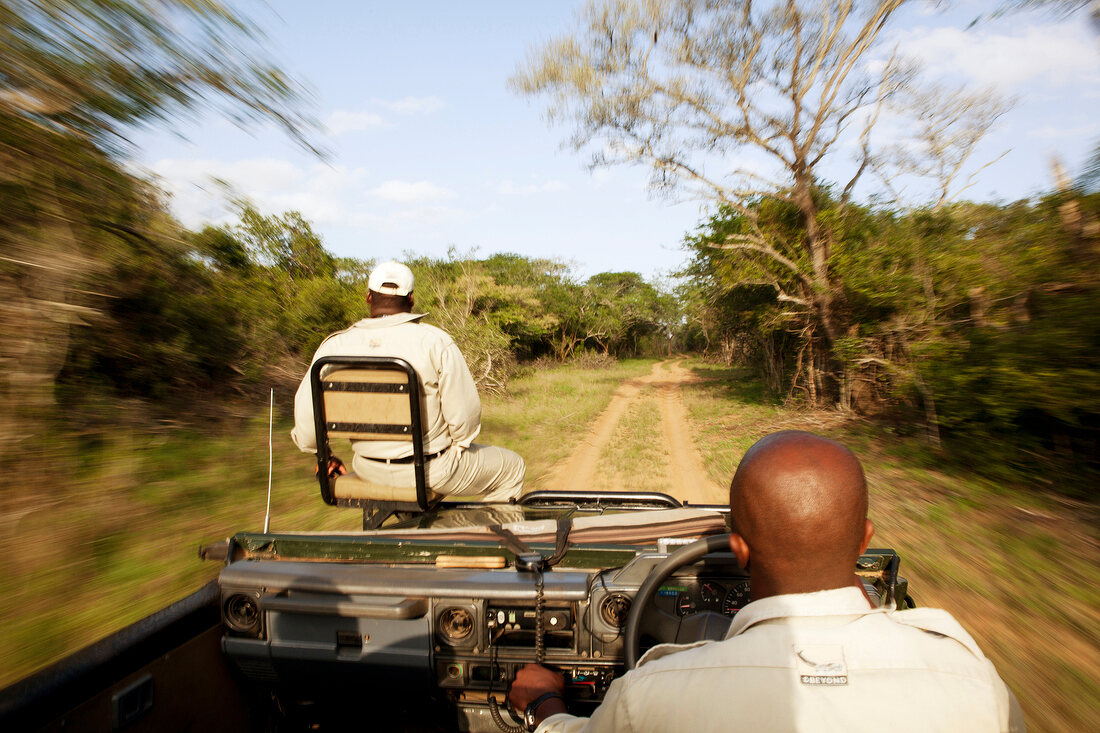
(420, 621)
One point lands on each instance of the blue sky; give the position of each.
(432, 151)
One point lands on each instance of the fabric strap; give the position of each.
(509, 540)
(561, 541)
(519, 547)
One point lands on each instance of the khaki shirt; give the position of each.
(813, 662)
(451, 410)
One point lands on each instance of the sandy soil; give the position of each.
(686, 478)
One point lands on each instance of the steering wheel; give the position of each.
(664, 626)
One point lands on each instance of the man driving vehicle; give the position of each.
(455, 464)
(810, 652)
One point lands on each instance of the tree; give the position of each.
(224, 250)
(91, 69)
(76, 77)
(1089, 180)
(625, 309)
(747, 316)
(285, 242)
(532, 321)
(940, 145)
(484, 315)
(684, 86)
(1056, 8)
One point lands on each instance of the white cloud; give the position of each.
(1051, 132)
(259, 174)
(411, 105)
(1057, 54)
(508, 188)
(420, 214)
(601, 176)
(342, 121)
(333, 198)
(325, 195)
(929, 7)
(200, 189)
(410, 191)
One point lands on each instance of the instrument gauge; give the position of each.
(736, 598)
(455, 625)
(614, 610)
(685, 604)
(711, 592)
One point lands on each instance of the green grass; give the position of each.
(1018, 566)
(109, 529)
(729, 412)
(636, 457)
(546, 413)
(117, 538)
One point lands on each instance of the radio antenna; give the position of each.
(270, 459)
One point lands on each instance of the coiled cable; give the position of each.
(540, 655)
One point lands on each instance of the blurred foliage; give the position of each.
(188, 320)
(1090, 177)
(88, 69)
(971, 321)
(976, 323)
(85, 246)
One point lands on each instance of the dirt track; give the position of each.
(686, 478)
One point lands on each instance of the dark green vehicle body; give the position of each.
(414, 627)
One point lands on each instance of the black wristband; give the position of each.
(533, 706)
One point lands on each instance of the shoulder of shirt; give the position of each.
(417, 323)
(431, 335)
(426, 326)
(334, 335)
(938, 622)
(661, 651)
(434, 330)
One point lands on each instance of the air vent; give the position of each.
(614, 610)
(242, 613)
(257, 669)
(455, 625)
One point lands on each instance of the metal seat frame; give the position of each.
(375, 512)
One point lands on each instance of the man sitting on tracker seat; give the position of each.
(455, 464)
(809, 653)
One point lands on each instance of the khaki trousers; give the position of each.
(482, 472)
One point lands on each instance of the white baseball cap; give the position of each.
(391, 278)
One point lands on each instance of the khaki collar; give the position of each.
(391, 320)
(848, 601)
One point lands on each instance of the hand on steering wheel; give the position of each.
(666, 626)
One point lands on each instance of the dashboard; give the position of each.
(463, 631)
(480, 643)
(380, 632)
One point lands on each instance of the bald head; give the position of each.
(799, 502)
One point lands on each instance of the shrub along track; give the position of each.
(685, 478)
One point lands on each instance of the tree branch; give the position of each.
(771, 253)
